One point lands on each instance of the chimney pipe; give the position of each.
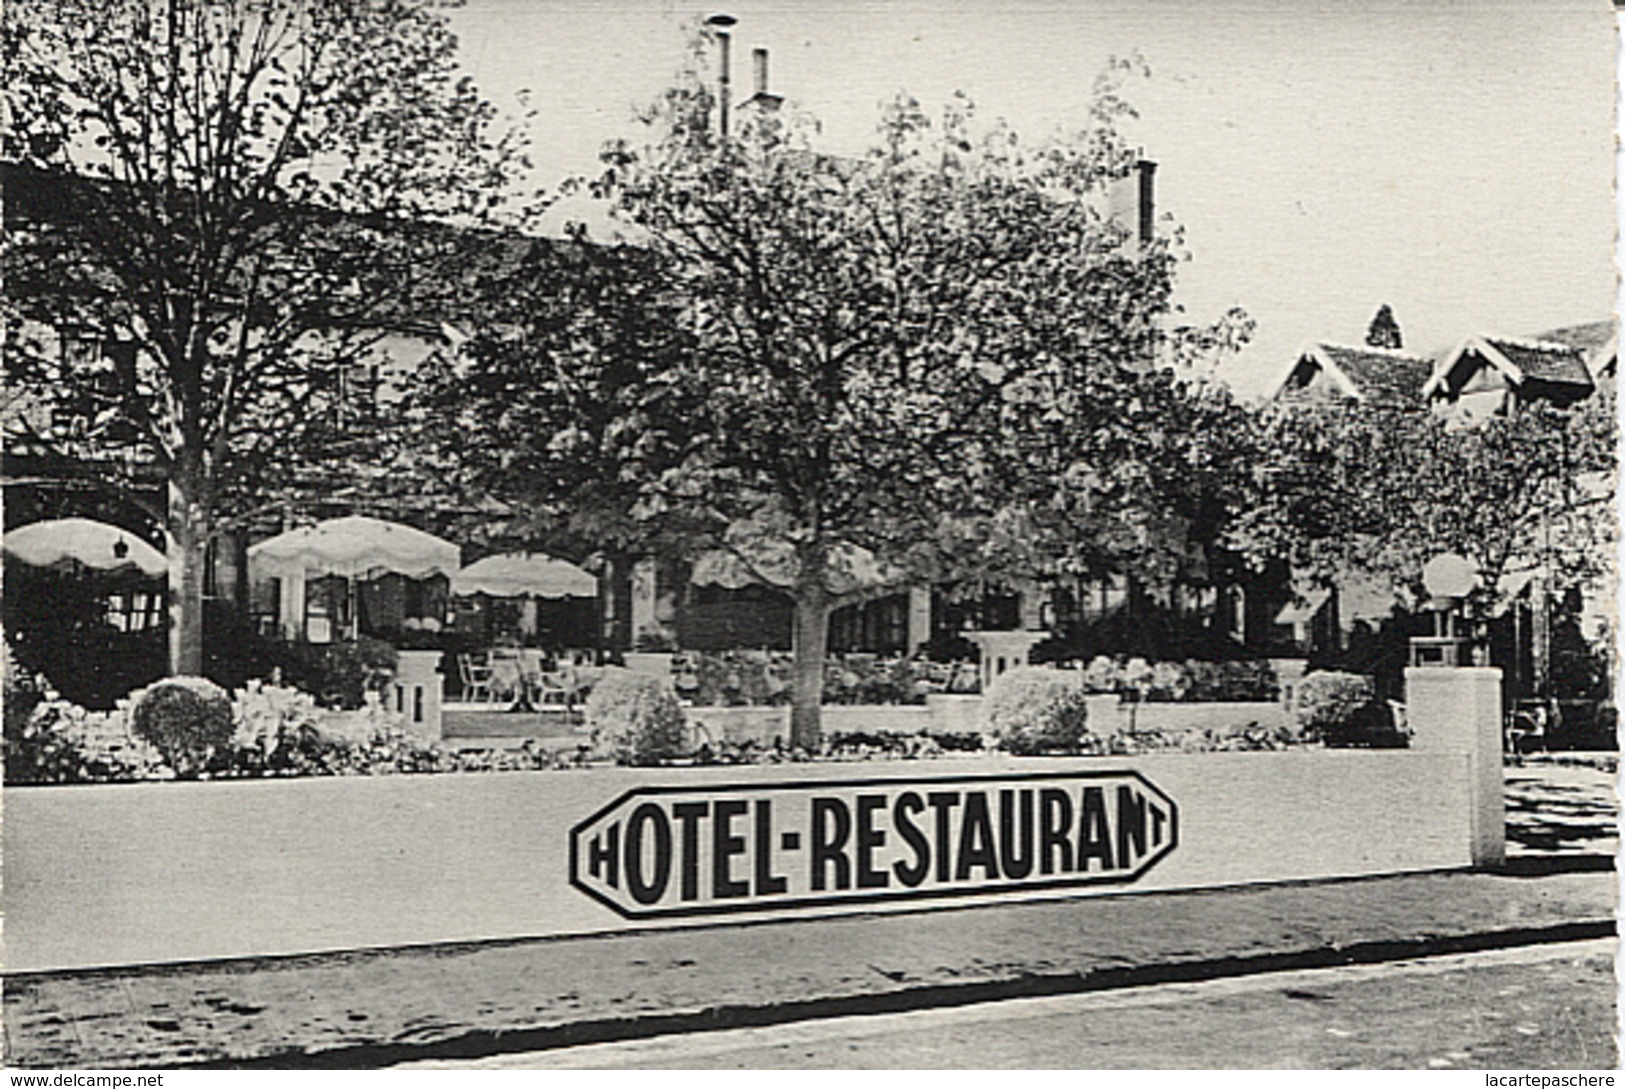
(759, 61)
(720, 23)
(1148, 200)
(726, 41)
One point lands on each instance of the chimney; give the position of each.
(762, 99)
(1132, 201)
(1147, 171)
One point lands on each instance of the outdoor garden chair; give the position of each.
(475, 676)
(555, 688)
(507, 680)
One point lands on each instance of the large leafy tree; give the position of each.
(1112, 468)
(867, 332)
(245, 195)
(1380, 490)
(561, 406)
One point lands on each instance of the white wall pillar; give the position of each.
(1289, 674)
(1003, 650)
(1459, 710)
(416, 693)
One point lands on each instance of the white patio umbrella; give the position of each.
(72, 544)
(524, 574)
(354, 547)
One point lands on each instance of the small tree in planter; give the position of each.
(636, 718)
(187, 719)
(1035, 711)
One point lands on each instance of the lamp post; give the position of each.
(1448, 579)
(720, 22)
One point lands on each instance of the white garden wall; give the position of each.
(100, 875)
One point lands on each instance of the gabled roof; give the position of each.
(1364, 373)
(1518, 359)
(1598, 341)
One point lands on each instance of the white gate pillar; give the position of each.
(1003, 650)
(417, 693)
(1459, 710)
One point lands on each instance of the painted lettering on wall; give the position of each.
(672, 851)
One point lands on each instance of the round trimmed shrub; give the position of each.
(187, 719)
(1034, 710)
(636, 718)
(1328, 699)
(1341, 710)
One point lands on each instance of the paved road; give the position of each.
(1547, 1007)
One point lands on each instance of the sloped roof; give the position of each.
(37, 198)
(1542, 360)
(1587, 336)
(1518, 359)
(1381, 373)
(1598, 341)
(1365, 373)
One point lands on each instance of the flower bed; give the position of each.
(752, 679)
(279, 732)
(1192, 681)
(276, 733)
(283, 733)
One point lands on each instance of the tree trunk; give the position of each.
(188, 537)
(615, 603)
(807, 689)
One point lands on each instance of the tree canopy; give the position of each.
(1383, 331)
(1381, 490)
(244, 195)
(806, 356)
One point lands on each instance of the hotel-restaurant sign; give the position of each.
(682, 851)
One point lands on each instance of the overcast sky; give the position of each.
(1454, 160)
